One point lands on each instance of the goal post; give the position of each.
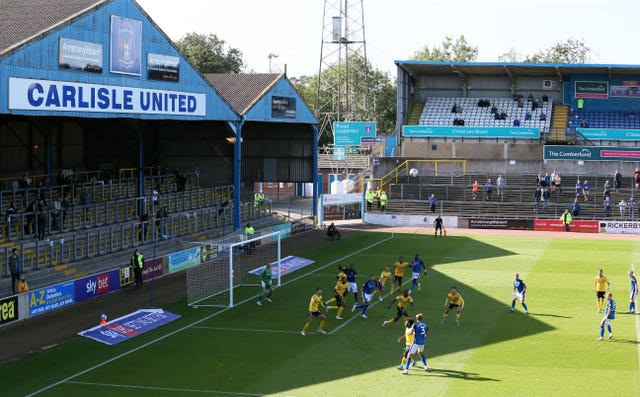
(230, 266)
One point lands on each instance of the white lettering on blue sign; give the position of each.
(31, 94)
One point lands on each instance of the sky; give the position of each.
(396, 29)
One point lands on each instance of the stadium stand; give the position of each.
(604, 119)
(437, 111)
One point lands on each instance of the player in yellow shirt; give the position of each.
(314, 311)
(453, 300)
(385, 277)
(601, 286)
(340, 292)
(408, 336)
(398, 271)
(403, 300)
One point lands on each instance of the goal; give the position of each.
(229, 265)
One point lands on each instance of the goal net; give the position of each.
(230, 264)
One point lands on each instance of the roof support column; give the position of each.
(315, 174)
(237, 167)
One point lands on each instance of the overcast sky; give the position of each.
(395, 29)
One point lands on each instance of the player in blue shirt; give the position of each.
(633, 292)
(420, 330)
(519, 293)
(351, 279)
(609, 314)
(368, 288)
(417, 265)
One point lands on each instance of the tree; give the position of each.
(456, 51)
(568, 51)
(209, 54)
(379, 89)
(511, 56)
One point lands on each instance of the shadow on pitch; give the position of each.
(548, 315)
(450, 373)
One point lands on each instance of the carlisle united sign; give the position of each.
(65, 96)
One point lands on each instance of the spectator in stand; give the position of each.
(606, 189)
(85, 200)
(617, 177)
(530, 97)
(545, 98)
(534, 105)
(14, 268)
(503, 115)
(575, 207)
(636, 177)
(42, 219)
(537, 197)
(433, 202)
(516, 123)
(22, 285)
(586, 187)
(543, 117)
(606, 203)
(494, 109)
(30, 217)
(622, 205)
(527, 116)
(497, 116)
(161, 221)
(584, 124)
(558, 183)
(547, 180)
(520, 104)
(552, 183)
(8, 217)
(55, 214)
(632, 207)
(500, 184)
(369, 198)
(546, 195)
(155, 196)
(474, 190)
(489, 187)
(578, 188)
(26, 181)
(66, 204)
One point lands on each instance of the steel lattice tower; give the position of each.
(342, 77)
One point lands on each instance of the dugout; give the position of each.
(609, 91)
(97, 85)
(279, 133)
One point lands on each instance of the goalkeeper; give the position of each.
(265, 281)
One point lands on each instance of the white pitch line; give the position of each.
(135, 349)
(172, 389)
(637, 323)
(269, 331)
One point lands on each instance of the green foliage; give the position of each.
(209, 54)
(567, 51)
(367, 87)
(450, 50)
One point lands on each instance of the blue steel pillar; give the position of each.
(315, 173)
(237, 166)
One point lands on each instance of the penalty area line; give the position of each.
(160, 338)
(171, 389)
(268, 331)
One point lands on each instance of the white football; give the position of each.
(413, 172)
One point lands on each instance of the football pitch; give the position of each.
(253, 351)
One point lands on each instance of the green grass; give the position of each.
(552, 352)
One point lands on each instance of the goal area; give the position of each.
(230, 264)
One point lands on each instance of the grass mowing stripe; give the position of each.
(231, 393)
(67, 379)
(269, 331)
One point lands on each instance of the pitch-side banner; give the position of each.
(620, 227)
(409, 220)
(555, 225)
(129, 326)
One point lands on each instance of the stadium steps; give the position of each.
(413, 118)
(559, 122)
